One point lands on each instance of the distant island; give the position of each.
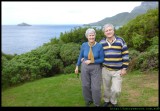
(24, 24)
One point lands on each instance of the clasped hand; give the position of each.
(86, 61)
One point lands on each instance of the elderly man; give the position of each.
(115, 64)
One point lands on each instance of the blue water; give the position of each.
(22, 39)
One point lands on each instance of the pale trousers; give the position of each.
(91, 76)
(112, 83)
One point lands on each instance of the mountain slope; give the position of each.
(122, 18)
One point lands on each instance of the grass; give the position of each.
(65, 91)
(140, 89)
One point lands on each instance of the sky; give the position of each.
(62, 12)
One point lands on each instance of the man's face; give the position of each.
(109, 32)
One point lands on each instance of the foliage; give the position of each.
(69, 69)
(8, 56)
(69, 53)
(139, 31)
(133, 54)
(54, 41)
(137, 40)
(42, 62)
(144, 61)
(60, 55)
(77, 35)
(148, 61)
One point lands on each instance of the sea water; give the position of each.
(22, 39)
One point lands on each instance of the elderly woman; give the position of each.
(92, 55)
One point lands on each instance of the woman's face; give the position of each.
(109, 32)
(91, 37)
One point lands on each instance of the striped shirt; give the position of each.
(116, 55)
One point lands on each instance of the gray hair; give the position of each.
(107, 25)
(90, 30)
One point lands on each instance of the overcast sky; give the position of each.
(62, 12)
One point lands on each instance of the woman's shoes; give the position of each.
(88, 103)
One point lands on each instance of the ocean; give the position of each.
(22, 39)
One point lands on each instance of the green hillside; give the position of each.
(124, 17)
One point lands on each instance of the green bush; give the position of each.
(69, 53)
(69, 69)
(147, 61)
(138, 41)
(139, 31)
(133, 54)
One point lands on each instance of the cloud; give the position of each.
(62, 12)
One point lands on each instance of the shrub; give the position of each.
(69, 69)
(133, 54)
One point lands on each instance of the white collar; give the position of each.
(94, 43)
(109, 44)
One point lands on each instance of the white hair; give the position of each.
(107, 25)
(90, 30)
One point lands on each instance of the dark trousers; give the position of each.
(91, 82)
